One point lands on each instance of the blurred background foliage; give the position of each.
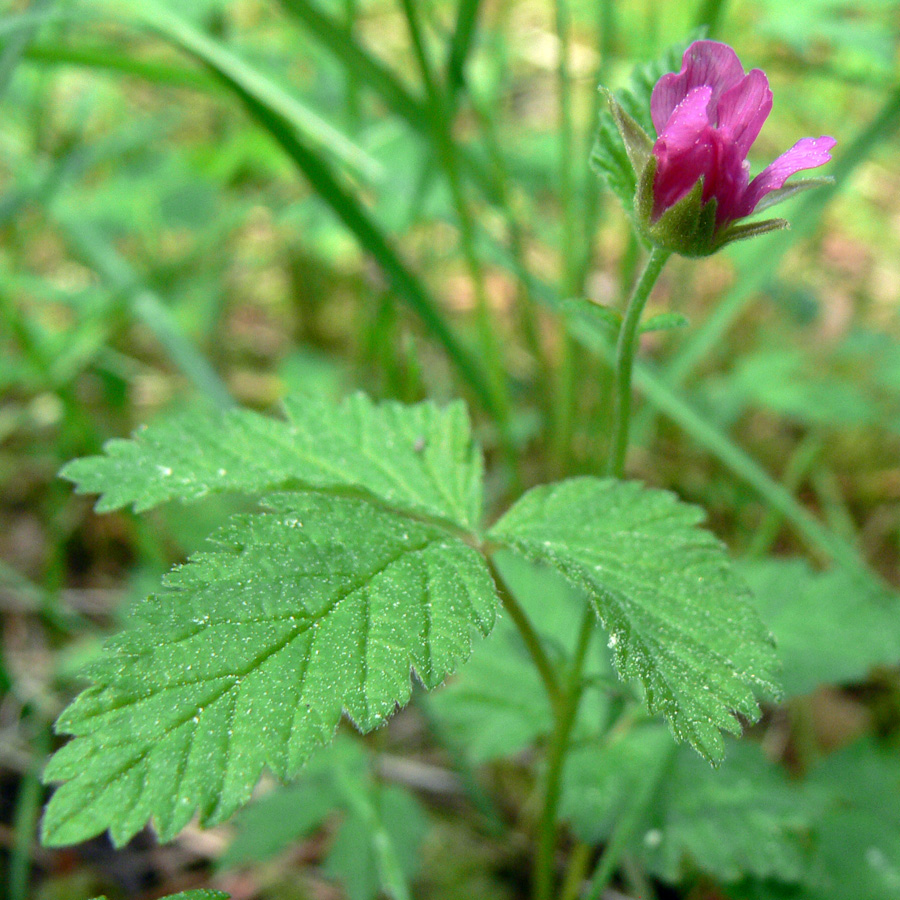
(224, 201)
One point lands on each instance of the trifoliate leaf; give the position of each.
(680, 619)
(419, 458)
(249, 656)
(829, 627)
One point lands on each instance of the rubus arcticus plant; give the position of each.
(368, 559)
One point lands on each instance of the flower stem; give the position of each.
(568, 709)
(625, 350)
(565, 721)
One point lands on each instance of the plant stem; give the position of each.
(543, 877)
(625, 350)
(530, 638)
(565, 721)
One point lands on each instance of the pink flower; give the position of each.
(707, 117)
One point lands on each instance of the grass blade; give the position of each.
(354, 215)
(106, 59)
(341, 41)
(374, 74)
(461, 44)
(221, 60)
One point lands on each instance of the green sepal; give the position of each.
(790, 190)
(688, 227)
(638, 144)
(750, 230)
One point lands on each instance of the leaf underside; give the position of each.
(249, 655)
(418, 458)
(680, 620)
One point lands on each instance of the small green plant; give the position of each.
(367, 565)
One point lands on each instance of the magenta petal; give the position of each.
(707, 63)
(727, 178)
(744, 108)
(807, 153)
(684, 151)
(688, 119)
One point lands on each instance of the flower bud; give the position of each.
(694, 180)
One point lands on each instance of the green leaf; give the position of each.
(680, 619)
(858, 840)
(610, 156)
(603, 318)
(746, 230)
(497, 705)
(278, 820)
(377, 850)
(419, 458)
(636, 141)
(378, 838)
(829, 627)
(321, 604)
(804, 387)
(746, 819)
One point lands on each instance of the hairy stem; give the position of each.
(625, 350)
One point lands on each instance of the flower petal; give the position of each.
(807, 153)
(708, 63)
(727, 179)
(744, 108)
(684, 151)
